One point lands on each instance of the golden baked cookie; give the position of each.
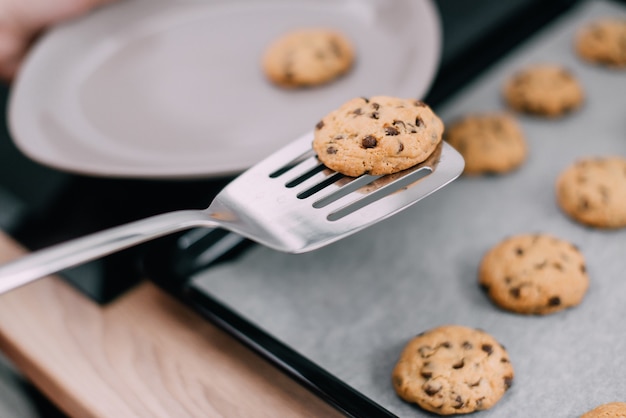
(603, 42)
(608, 410)
(489, 142)
(379, 135)
(545, 90)
(308, 57)
(592, 191)
(453, 369)
(534, 274)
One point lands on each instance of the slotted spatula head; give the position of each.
(291, 202)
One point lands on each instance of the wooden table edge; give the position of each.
(144, 354)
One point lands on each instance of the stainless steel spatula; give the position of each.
(289, 202)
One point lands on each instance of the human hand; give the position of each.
(21, 21)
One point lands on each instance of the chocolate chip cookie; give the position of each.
(534, 274)
(489, 142)
(608, 410)
(377, 135)
(545, 90)
(453, 369)
(308, 57)
(592, 191)
(603, 42)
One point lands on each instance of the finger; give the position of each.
(12, 49)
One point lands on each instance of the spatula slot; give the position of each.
(381, 188)
(333, 178)
(304, 177)
(291, 164)
(352, 186)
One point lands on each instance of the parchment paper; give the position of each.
(351, 307)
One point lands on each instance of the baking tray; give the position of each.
(338, 318)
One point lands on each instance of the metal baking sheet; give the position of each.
(351, 307)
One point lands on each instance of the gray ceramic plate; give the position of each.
(174, 88)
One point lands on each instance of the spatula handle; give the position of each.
(90, 247)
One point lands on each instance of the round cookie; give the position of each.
(308, 57)
(453, 369)
(603, 42)
(489, 143)
(608, 410)
(545, 90)
(379, 135)
(534, 274)
(592, 191)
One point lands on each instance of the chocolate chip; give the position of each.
(432, 390)
(419, 103)
(419, 122)
(338, 137)
(467, 345)
(366, 99)
(508, 382)
(519, 251)
(487, 348)
(504, 360)
(425, 351)
(583, 268)
(554, 301)
(476, 383)
(376, 106)
(374, 115)
(391, 131)
(426, 375)
(331, 150)
(399, 123)
(459, 364)
(558, 266)
(369, 142)
(445, 344)
(357, 111)
(583, 204)
(400, 147)
(458, 402)
(320, 124)
(515, 292)
(604, 192)
(334, 46)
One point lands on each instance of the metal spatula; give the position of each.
(289, 202)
